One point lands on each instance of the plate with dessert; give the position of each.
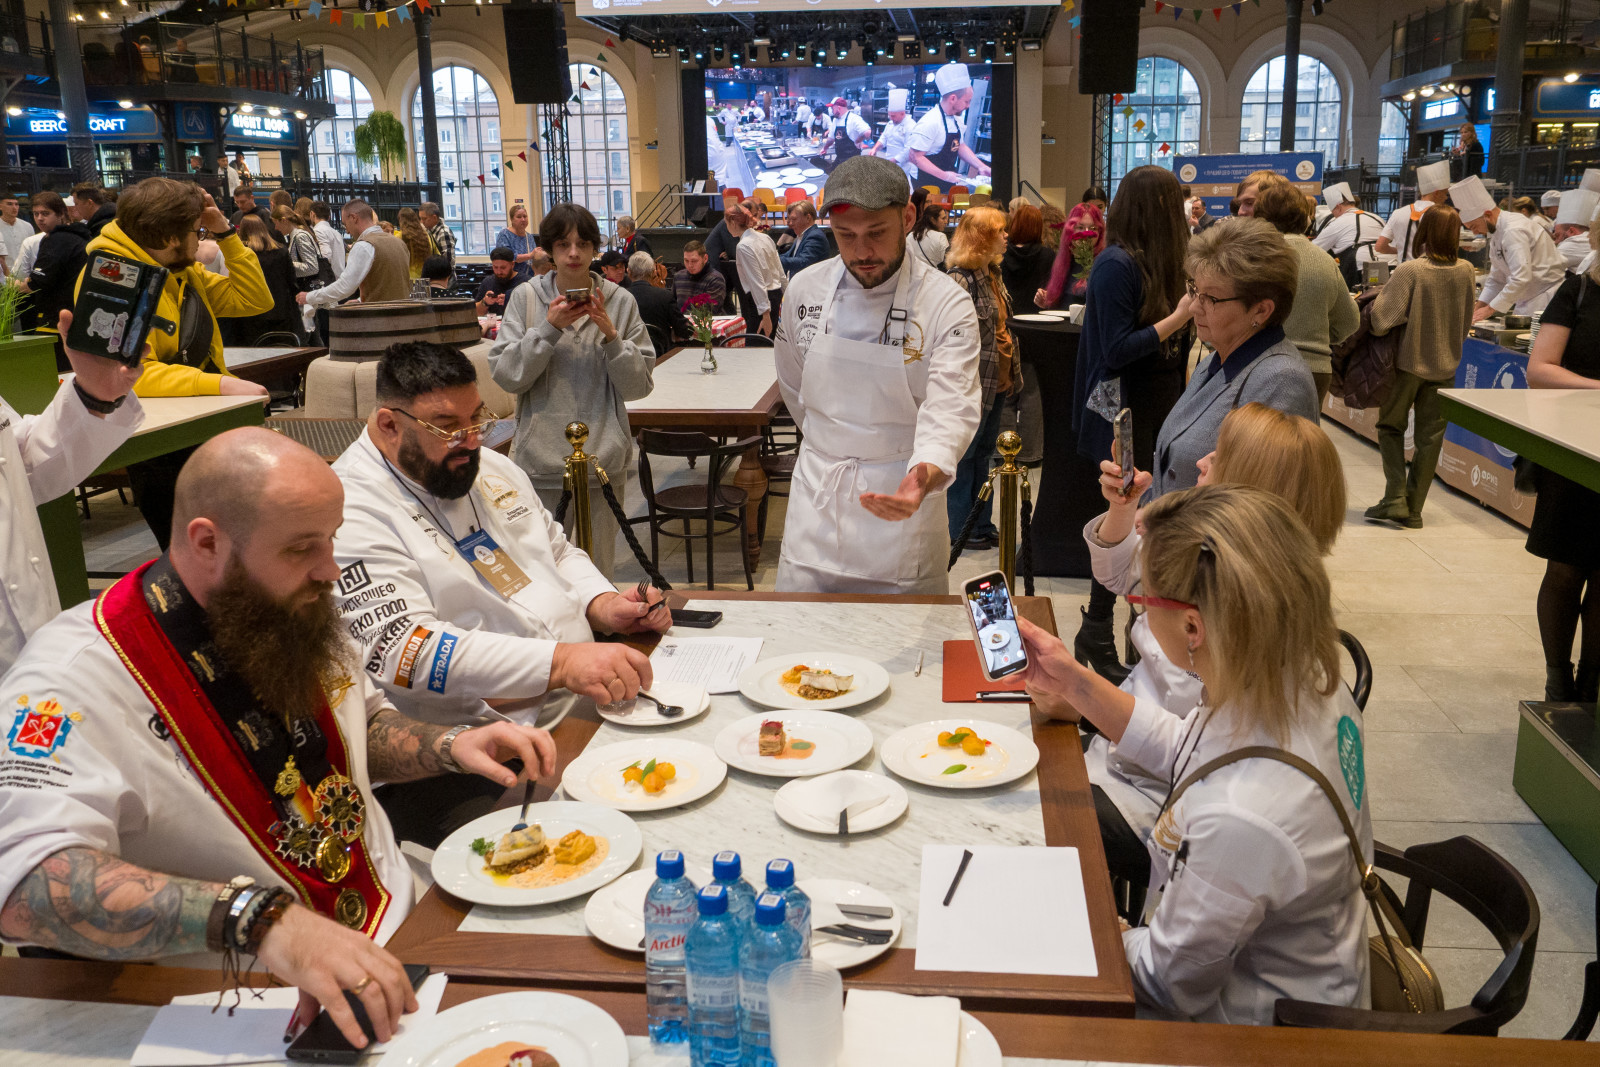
(648, 774)
(523, 1029)
(566, 850)
(822, 681)
(959, 754)
(793, 744)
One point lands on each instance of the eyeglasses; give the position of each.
(1161, 602)
(1209, 302)
(454, 438)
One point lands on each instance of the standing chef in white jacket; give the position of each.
(1524, 266)
(877, 359)
(1573, 219)
(895, 143)
(43, 456)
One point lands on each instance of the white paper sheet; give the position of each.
(1017, 911)
(714, 663)
(186, 1033)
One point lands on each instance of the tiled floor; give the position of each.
(1446, 614)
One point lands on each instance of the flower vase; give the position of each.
(708, 361)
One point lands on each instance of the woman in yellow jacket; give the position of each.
(159, 222)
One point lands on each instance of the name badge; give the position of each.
(491, 561)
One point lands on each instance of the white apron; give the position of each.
(861, 405)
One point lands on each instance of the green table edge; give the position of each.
(1543, 451)
(1559, 792)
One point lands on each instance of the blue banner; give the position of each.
(1487, 366)
(36, 125)
(1556, 98)
(1214, 178)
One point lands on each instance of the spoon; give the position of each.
(527, 798)
(667, 711)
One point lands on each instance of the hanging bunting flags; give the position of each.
(403, 13)
(610, 43)
(383, 19)
(361, 20)
(1177, 13)
(1197, 13)
(509, 168)
(423, 6)
(1217, 11)
(481, 181)
(1127, 112)
(523, 155)
(1139, 125)
(1165, 148)
(1068, 5)
(449, 186)
(1237, 8)
(315, 8)
(1117, 98)
(1159, 6)
(1074, 20)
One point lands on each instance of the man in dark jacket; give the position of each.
(93, 206)
(55, 272)
(244, 203)
(698, 277)
(720, 246)
(810, 243)
(657, 307)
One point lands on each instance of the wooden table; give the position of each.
(1558, 429)
(262, 365)
(738, 401)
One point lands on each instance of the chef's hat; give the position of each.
(1577, 207)
(1470, 198)
(1551, 198)
(897, 99)
(1433, 177)
(1591, 180)
(1334, 195)
(952, 78)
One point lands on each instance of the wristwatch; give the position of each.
(447, 741)
(94, 403)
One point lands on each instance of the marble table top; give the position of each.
(743, 378)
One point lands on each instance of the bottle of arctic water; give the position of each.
(780, 880)
(727, 870)
(669, 912)
(712, 955)
(770, 941)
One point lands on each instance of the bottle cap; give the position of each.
(780, 874)
(714, 900)
(770, 909)
(725, 866)
(669, 865)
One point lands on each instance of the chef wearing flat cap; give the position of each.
(1433, 187)
(1347, 225)
(1524, 266)
(877, 360)
(850, 131)
(895, 144)
(1573, 220)
(938, 142)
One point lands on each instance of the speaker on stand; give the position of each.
(537, 61)
(1108, 56)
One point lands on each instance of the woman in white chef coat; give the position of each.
(1260, 894)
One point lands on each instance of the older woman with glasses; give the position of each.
(1242, 282)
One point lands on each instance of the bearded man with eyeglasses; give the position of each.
(468, 601)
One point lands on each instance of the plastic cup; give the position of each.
(806, 1008)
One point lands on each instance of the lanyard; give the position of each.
(438, 523)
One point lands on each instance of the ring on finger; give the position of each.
(366, 980)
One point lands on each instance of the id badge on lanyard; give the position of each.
(491, 561)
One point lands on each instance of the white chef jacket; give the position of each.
(897, 146)
(1524, 266)
(113, 785)
(802, 116)
(1401, 229)
(330, 245)
(1546, 223)
(1574, 250)
(41, 457)
(944, 388)
(12, 234)
(22, 266)
(433, 633)
(760, 270)
(1340, 233)
(1260, 896)
(928, 135)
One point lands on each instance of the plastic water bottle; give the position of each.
(780, 880)
(727, 870)
(712, 955)
(769, 942)
(669, 912)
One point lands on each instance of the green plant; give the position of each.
(381, 139)
(12, 301)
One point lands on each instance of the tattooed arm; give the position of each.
(91, 903)
(401, 749)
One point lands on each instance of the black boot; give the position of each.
(1096, 648)
(1558, 683)
(1587, 686)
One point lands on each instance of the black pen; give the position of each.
(949, 894)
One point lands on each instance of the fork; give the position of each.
(642, 591)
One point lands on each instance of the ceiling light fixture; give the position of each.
(1570, 76)
(248, 109)
(275, 112)
(301, 115)
(124, 104)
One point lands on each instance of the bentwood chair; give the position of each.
(1590, 1006)
(1362, 687)
(720, 508)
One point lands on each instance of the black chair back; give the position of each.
(1362, 689)
(747, 338)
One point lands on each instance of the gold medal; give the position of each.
(350, 909)
(340, 808)
(333, 858)
(297, 840)
(288, 780)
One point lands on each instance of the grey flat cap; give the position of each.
(867, 182)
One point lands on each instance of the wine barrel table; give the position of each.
(358, 333)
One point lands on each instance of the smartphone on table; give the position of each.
(321, 1042)
(1123, 426)
(993, 617)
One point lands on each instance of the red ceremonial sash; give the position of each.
(126, 621)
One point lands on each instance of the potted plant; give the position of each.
(27, 360)
(381, 139)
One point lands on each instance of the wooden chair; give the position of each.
(714, 503)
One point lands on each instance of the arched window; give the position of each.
(597, 133)
(1166, 111)
(333, 144)
(1316, 121)
(469, 156)
(1393, 136)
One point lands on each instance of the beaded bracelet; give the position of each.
(268, 915)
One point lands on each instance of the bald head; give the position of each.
(231, 477)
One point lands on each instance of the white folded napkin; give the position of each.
(825, 796)
(894, 1030)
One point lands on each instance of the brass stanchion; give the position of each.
(575, 479)
(1008, 474)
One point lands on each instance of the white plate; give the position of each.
(914, 754)
(839, 741)
(812, 172)
(978, 1046)
(996, 635)
(874, 818)
(595, 777)
(809, 188)
(1036, 318)
(836, 951)
(459, 871)
(1059, 313)
(761, 682)
(615, 913)
(641, 712)
(575, 1032)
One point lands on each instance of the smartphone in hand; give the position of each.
(322, 1042)
(1123, 425)
(993, 617)
(115, 308)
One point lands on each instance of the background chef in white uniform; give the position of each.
(1549, 204)
(895, 143)
(1347, 225)
(43, 456)
(1524, 266)
(1433, 187)
(939, 138)
(1573, 220)
(877, 359)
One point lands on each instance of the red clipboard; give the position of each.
(963, 678)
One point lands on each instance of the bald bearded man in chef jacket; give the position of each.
(877, 360)
(939, 139)
(895, 144)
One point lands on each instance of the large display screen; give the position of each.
(788, 127)
(629, 8)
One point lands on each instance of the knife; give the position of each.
(866, 912)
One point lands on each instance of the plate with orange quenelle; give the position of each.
(959, 754)
(648, 774)
(793, 744)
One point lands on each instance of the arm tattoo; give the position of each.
(401, 749)
(91, 903)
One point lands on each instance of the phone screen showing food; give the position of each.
(994, 619)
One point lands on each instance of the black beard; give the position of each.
(283, 653)
(437, 478)
(887, 274)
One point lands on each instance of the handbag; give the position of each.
(1401, 979)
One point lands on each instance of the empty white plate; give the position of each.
(826, 894)
(615, 913)
(1036, 318)
(894, 805)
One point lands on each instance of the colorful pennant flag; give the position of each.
(495, 170)
(1074, 20)
(510, 169)
(449, 186)
(1217, 11)
(403, 13)
(1165, 148)
(1159, 5)
(423, 6)
(523, 155)
(361, 20)
(1139, 125)
(1127, 112)
(336, 17)
(315, 8)
(1068, 5)
(383, 20)
(1117, 98)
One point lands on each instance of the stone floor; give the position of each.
(1446, 614)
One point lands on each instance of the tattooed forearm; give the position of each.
(91, 903)
(401, 749)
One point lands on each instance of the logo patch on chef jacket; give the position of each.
(504, 496)
(1165, 833)
(39, 730)
(1350, 761)
(354, 578)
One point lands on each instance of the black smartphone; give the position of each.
(1123, 424)
(994, 626)
(321, 1042)
(578, 296)
(115, 308)
(700, 620)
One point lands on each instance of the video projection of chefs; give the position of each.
(938, 144)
